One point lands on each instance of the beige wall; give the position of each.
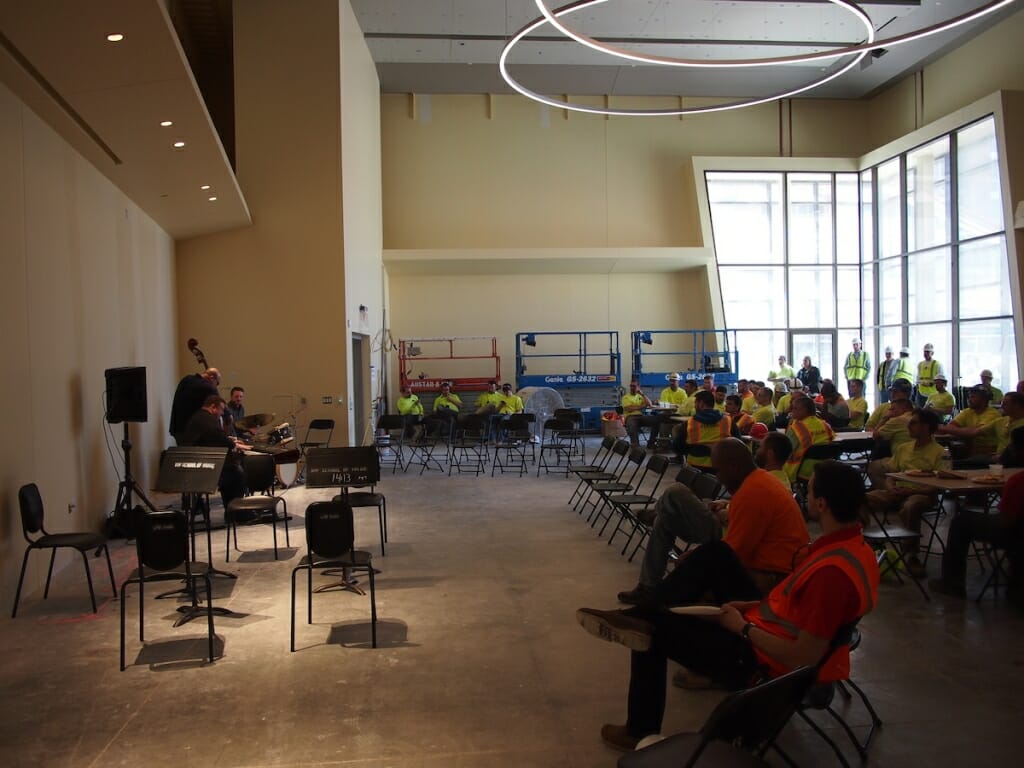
(88, 285)
(487, 172)
(361, 195)
(270, 303)
(504, 305)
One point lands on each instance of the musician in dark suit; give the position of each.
(189, 397)
(205, 429)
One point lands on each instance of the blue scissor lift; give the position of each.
(584, 367)
(690, 353)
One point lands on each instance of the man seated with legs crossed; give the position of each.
(762, 524)
(790, 628)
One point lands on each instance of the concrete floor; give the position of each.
(481, 662)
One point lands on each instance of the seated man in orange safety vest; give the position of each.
(706, 427)
(835, 584)
(805, 429)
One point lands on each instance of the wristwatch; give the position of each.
(745, 632)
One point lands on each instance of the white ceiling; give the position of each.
(452, 46)
(107, 99)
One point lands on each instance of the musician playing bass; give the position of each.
(205, 430)
(189, 397)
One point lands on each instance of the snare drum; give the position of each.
(281, 434)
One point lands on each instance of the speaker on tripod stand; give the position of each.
(126, 402)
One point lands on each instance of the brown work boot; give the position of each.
(691, 681)
(616, 627)
(617, 737)
(639, 595)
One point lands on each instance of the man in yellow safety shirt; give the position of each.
(633, 404)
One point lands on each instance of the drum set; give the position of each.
(277, 440)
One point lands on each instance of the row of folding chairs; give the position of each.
(475, 443)
(622, 485)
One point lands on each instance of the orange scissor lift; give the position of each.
(468, 362)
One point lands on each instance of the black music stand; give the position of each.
(342, 468)
(194, 473)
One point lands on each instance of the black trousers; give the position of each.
(709, 573)
(968, 526)
(702, 645)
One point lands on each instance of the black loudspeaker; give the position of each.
(126, 394)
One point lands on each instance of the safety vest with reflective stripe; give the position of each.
(927, 370)
(706, 434)
(803, 434)
(904, 371)
(777, 613)
(857, 366)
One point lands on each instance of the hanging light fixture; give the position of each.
(857, 52)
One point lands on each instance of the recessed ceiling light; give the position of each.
(212, 198)
(116, 37)
(166, 123)
(179, 144)
(205, 187)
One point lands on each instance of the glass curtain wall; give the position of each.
(908, 252)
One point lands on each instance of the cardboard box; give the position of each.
(612, 429)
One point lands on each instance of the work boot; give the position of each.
(639, 595)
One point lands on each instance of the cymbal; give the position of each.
(255, 421)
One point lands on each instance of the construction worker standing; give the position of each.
(904, 369)
(927, 370)
(858, 362)
(886, 374)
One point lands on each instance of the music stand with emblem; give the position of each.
(342, 468)
(194, 473)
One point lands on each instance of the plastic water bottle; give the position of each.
(946, 464)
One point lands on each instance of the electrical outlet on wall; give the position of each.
(326, 400)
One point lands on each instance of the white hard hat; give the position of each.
(673, 377)
(888, 350)
(858, 341)
(904, 350)
(929, 348)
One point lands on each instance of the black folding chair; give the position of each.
(558, 441)
(330, 535)
(31, 506)
(632, 506)
(737, 732)
(510, 450)
(389, 441)
(888, 540)
(162, 546)
(469, 450)
(260, 507)
(822, 695)
(610, 472)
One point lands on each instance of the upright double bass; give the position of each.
(226, 420)
(193, 347)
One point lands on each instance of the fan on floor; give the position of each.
(540, 401)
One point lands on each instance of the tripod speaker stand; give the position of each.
(126, 402)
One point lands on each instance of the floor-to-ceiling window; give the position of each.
(907, 252)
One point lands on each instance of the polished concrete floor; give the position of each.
(480, 661)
